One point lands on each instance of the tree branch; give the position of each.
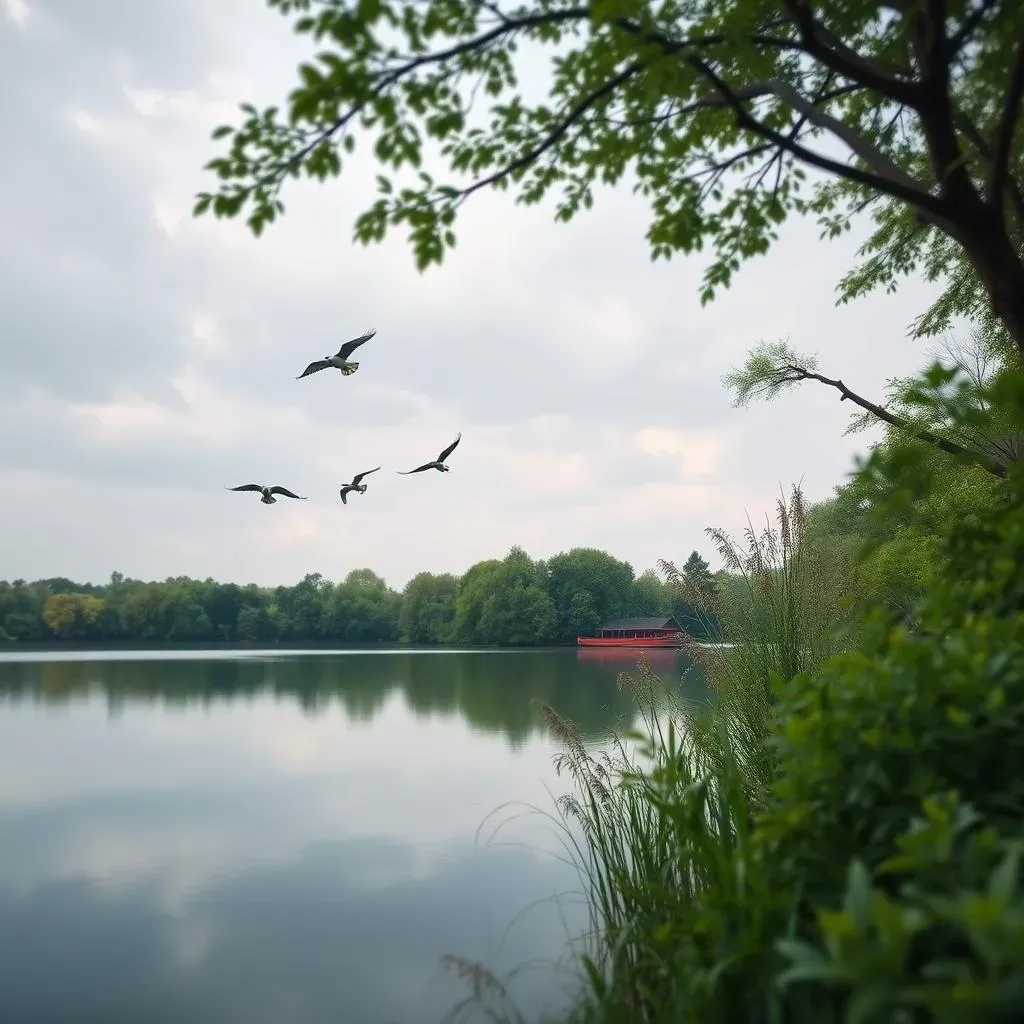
(936, 112)
(797, 373)
(823, 45)
(970, 129)
(412, 64)
(930, 207)
(966, 30)
(557, 132)
(873, 157)
(1003, 148)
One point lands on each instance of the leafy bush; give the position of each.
(949, 947)
(863, 741)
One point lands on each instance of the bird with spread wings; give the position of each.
(267, 492)
(339, 360)
(437, 463)
(356, 485)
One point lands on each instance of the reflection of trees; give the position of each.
(493, 691)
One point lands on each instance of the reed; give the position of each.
(665, 815)
(653, 822)
(787, 611)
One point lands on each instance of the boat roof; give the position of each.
(659, 623)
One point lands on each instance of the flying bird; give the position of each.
(267, 492)
(356, 485)
(437, 464)
(340, 360)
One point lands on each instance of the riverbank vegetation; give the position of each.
(859, 859)
(511, 601)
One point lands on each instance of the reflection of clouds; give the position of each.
(245, 782)
(305, 941)
(230, 856)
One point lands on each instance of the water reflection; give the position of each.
(268, 838)
(345, 932)
(492, 691)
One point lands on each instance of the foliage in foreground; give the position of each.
(716, 110)
(880, 881)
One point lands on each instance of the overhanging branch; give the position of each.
(505, 27)
(965, 125)
(798, 373)
(872, 156)
(929, 207)
(558, 131)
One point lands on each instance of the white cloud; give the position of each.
(18, 11)
(152, 358)
(697, 454)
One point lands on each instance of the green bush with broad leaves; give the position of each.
(948, 947)
(928, 726)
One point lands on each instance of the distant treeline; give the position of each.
(514, 601)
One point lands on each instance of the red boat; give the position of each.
(635, 633)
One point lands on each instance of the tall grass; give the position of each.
(656, 823)
(665, 816)
(784, 611)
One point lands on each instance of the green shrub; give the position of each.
(863, 741)
(948, 948)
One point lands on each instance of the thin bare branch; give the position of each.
(552, 137)
(929, 207)
(872, 156)
(797, 373)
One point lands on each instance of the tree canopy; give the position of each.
(513, 601)
(716, 111)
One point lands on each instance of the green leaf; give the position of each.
(858, 896)
(609, 96)
(866, 1003)
(1003, 882)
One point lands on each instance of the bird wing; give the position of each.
(341, 494)
(314, 367)
(444, 455)
(418, 469)
(284, 490)
(246, 487)
(359, 476)
(350, 346)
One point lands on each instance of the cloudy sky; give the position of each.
(150, 360)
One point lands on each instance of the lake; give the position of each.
(286, 837)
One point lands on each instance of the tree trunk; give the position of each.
(999, 269)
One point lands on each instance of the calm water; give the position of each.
(249, 837)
